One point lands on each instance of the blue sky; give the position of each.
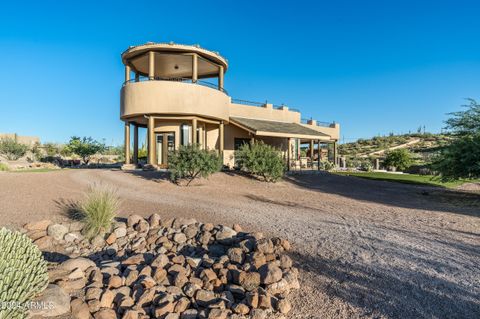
(373, 66)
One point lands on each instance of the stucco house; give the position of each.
(177, 92)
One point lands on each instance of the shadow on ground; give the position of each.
(391, 194)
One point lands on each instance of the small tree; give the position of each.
(11, 149)
(84, 147)
(191, 162)
(51, 149)
(262, 160)
(400, 158)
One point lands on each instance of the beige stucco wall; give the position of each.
(264, 113)
(26, 140)
(166, 97)
(232, 132)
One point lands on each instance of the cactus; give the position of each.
(23, 273)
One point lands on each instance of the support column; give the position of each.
(151, 141)
(194, 131)
(194, 68)
(135, 144)
(220, 78)
(127, 143)
(252, 140)
(137, 77)
(127, 73)
(151, 65)
(290, 155)
(200, 137)
(311, 150)
(319, 159)
(335, 153)
(221, 139)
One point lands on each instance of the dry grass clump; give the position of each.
(99, 209)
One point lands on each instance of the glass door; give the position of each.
(165, 143)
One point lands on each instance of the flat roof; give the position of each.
(278, 129)
(134, 51)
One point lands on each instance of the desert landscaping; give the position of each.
(362, 248)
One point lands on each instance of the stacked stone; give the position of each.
(178, 268)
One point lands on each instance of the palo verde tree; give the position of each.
(84, 147)
(400, 158)
(461, 158)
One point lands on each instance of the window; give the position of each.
(239, 142)
(185, 133)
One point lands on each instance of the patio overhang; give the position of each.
(278, 129)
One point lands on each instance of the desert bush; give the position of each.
(326, 165)
(190, 162)
(84, 147)
(52, 149)
(23, 273)
(262, 160)
(4, 167)
(366, 165)
(400, 158)
(11, 149)
(99, 209)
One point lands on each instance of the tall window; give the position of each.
(185, 133)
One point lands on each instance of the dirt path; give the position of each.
(366, 249)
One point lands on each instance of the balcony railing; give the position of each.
(182, 80)
(317, 123)
(262, 104)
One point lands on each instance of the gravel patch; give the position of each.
(364, 248)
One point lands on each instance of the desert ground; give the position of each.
(365, 249)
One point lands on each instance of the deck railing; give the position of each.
(182, 80)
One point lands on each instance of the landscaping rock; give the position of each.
(56, 298)
(80, 309)
(81, 263)
(39, 225)
(57, 231)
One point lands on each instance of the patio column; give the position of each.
(221, 139)
(127, 73)
(151, 65)
(289, 153)
(194, 131)
(135, 144)
(311, 150)
(127, 143)
(137, 77)
(335, 153)
(151, 141)
(200, 137)
(194, 68)
(220, 78)
(318, 145)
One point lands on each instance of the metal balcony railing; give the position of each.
(182, 80)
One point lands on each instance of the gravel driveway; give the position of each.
(366, 249)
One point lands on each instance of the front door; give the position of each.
(165, 143)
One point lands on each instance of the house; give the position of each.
(177, 93)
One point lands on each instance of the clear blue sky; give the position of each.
(373, 66)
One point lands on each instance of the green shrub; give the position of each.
(84, 147)
(99, 209)
(52, 149)
(366, 165)
(4, 167)
(400, 158)
(23, 273)
(11, 149)
(191, 161)
(326, 165)
(262, 160)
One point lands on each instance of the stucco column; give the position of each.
(151, 141)
(221, 139)
(311, 150)
(200, 137)
(135, 144)
(335, 153)
(137, 77)
(319, 159)
(220, 78)
(127, 73)
(194, 68)
(151, 65)
(194, 131)
(290, 155)
(127, 142)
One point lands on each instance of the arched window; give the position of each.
(185, 133)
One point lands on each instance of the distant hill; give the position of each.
(422, 145)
